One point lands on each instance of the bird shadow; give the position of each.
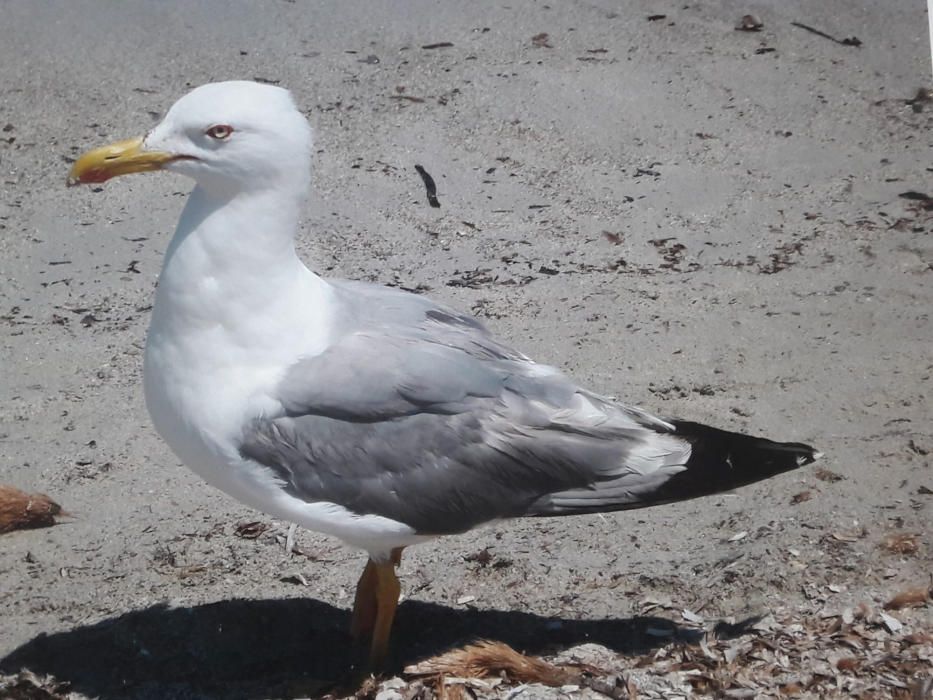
(289, 648)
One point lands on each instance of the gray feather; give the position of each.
(419, 415)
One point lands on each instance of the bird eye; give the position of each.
(219, 131)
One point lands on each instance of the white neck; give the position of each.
(232, 260)
(231, 279)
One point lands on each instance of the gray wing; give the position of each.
(437, 425)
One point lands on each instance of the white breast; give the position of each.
(199, 408)
(217, 349)
(235, 308)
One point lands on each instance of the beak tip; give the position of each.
(120, 158)
(87, 176)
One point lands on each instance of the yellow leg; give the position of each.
(374, 606)
(387, 592)
(364, 605)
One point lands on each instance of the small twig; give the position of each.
(853, 41)
(429, 186)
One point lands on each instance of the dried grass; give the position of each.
(20, 510)
(486, 659)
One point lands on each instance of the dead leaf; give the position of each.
(749, 23)
(295, 578)
(848, 663)
(251, 530)
(844, 536)
(824, 474)
(918, 638)
(891, 624)
(483, 557)
(901, 543)
(913, 597)
(614, 238)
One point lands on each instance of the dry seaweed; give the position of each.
(22, 511)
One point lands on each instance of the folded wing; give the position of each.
(438, 426)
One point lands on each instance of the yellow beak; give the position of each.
(120, 158)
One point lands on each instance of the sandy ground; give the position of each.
(703, 221)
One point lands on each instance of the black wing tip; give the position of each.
(719, 461)
(730, 459)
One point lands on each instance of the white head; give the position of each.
(230, 137)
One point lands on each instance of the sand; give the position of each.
(706, 222)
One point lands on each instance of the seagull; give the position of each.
(366, 413)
